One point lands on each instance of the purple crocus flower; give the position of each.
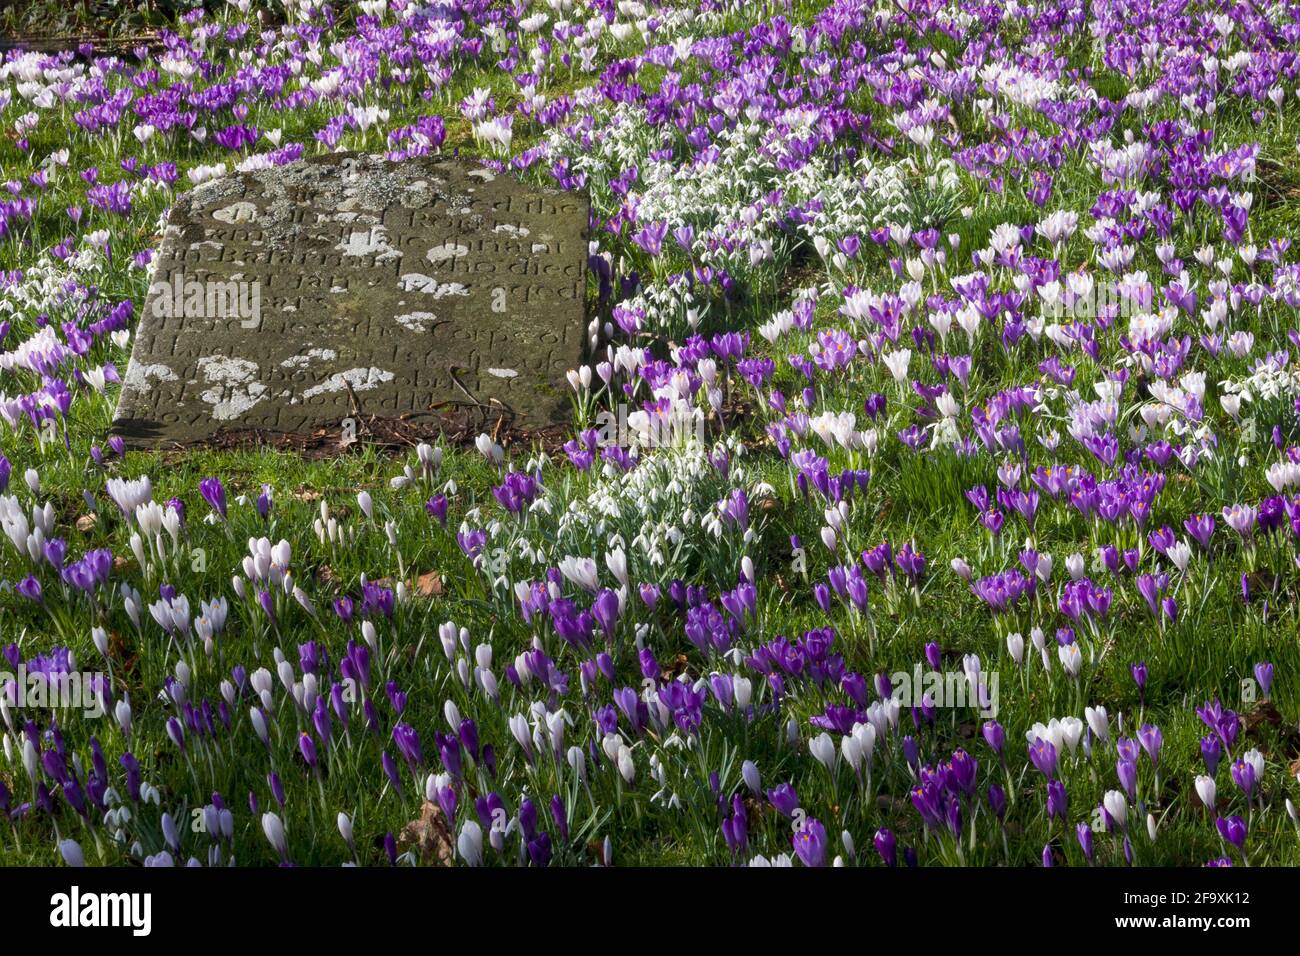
(264, 501)
(1084, 834)
(1042, 754)
(995, 736)
(1150, 737)
(561, 817)
(784, 799)
(1201, 528)
(277, 788)
(1058, 800)
(214, 493)
(437, 507)
(810, 843)
(1243, 775)
(606, 609)
(307, 747)
(1233, 830)
(1211, 753)
(887, 846)
(407, 742)
(390, 770)
(1139, 672)
(1264, 677)
(29, 588)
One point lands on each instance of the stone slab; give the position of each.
(284, 298)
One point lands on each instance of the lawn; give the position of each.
(978, 544)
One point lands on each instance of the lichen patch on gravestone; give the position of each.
(360, 379)
(233, 385)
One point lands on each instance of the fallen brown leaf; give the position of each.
(429, 584)
(430, 836)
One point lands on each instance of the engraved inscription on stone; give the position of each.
(280, 297)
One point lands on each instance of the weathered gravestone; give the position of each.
(283, 299)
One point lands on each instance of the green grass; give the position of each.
(1208, 653)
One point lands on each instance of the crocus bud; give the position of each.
(1117, 806)
(828, 538)
(273, 828)
(470, 843)
(578, 762)
(1098, 722)
(626, 767)
(70, 850)
(1207, 790)
(743, 689)
(1016, 648)
(823, 748)
(258, 721)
